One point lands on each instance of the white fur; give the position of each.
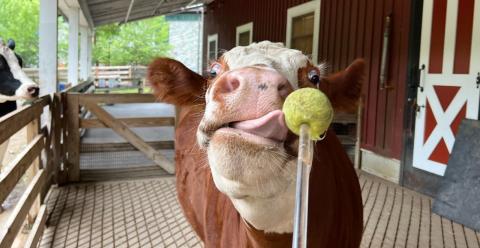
(285, 60)
(18, 73)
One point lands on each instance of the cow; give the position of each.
(14, 84)
(236, 160)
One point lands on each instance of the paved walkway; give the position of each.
(145, 213)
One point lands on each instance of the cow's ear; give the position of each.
(11, 44)
(174, 83)
(344, 88)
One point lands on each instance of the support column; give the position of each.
(84, 53)
(89, 54)
(73, 21)
(48, 40)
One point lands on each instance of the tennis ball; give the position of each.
(308, 106)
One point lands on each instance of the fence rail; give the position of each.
(38, 158)
(123, 75)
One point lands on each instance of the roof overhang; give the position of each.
(101, 12)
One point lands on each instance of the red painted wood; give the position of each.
(445, 94)
(430, 122)
(458, 119)
(438, 36)
(349, 29)
(370, 108)
(440, 154)
(463, 42)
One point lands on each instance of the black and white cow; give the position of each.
(14, 84)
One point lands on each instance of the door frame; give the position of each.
(411, 177)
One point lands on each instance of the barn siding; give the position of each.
(349, 29)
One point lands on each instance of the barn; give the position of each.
(420, 80)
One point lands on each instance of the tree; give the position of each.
(20, 22)
(134, 43)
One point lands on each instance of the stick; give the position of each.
(304, 166)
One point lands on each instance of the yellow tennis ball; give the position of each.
(308, 106)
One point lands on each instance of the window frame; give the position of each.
(303, 9)
(210, 38)
(244, 28)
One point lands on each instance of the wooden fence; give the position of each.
(40, 158)
(75, 102)
(123, 74)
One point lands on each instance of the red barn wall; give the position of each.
(349, 29)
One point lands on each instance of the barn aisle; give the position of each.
(145, 213)
(139, 213)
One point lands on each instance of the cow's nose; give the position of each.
(33, 91)
(257, 79)
(228, 84)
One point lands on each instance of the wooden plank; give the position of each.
(33, 129)
(112, 147)
(16, 120)
(122, 129)
(436, 233)
(131, 122)
(424, 235)
(37, 228)
(471, 238)
(17, 217)
(414, 228)
(382, 224)
(73, 137)
(391, 232)
(80, 87)
(403, 225)
(366, 191)
(460, 240)
(116, 98)
(448, 238)
(16, 168)
(374, 216)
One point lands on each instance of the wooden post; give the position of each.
(72, 140)
(33, 129)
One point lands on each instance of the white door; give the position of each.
(449, 89)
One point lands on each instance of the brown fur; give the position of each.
(335, 206)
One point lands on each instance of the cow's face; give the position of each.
(243, 127)
(250, 151)
(14, 83)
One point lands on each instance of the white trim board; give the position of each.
(375, 164)
(302, 9)
(212, 37)
(244, 28)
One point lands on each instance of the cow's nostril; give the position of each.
(33, 91)
(230, 84)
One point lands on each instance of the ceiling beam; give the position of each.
(129, 10)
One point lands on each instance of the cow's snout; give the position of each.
(252, 84)
(34, 91)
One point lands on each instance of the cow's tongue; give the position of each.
(271, 126)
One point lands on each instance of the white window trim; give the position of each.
(212, 37)
(244, 28)
(302, 9)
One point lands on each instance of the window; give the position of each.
(212, 47)
(244, 34)
(303, 24)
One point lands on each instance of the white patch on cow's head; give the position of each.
(285, 60)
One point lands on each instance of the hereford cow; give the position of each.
(236, 160)
(14, 84)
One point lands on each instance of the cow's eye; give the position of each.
(314, 77)
(215, 69)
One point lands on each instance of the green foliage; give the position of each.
(134, 43)
(19, 21)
